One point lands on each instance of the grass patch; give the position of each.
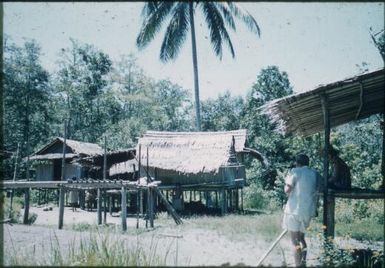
(96, 250)
(365, 229)
(239, 226)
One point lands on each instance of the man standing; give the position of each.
(301, 185)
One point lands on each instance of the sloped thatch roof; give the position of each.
(113, 158)
(350, 99)
(124, 167)
(190, 152)
(74, 148)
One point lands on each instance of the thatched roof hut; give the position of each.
(53, 153)
(348, 100)
(54, 150)
(192, 157)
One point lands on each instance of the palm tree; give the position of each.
(218, 16)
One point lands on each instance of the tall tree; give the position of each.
(83, 80)
(26, 97)
(218, 15)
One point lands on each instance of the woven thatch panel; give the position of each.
(351, 99)
(190, 152)
(124, 167)
(51, 156)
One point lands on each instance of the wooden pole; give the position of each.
(124, 209)
(14, 179)
(328, 203)
(105, 178)
(271, 248)
(383, 152)
(105, 206)
(61, 207)
(64, 152)
(26, 206)
(242, 199)
(99, 206)
(137, 208)
(151, 207)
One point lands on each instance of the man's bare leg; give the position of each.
(295, 240)
(303, 248)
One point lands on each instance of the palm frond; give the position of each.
(155, 14)
(175, 33)
(227, 14)
(245, 16)
(217, 28)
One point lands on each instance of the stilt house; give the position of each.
(51, 156)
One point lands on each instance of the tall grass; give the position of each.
(240, 227)
(96, 250)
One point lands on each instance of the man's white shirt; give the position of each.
(305, 183)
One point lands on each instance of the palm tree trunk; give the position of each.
(195, 63)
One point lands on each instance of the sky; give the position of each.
(315, 43)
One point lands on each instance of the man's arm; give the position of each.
(288, 188)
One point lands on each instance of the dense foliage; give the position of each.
(99, 97)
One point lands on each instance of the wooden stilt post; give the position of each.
(104, 179)
(242, 200)
(14, 179)
(61, 207)
(124, 209)
(190, 196)
(151, 207)
(328, 202)
(26, 206)
(99, 206)
(216, 199)
(105, 207)
(137, 208)
(110, 204)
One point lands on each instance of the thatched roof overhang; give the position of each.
(73, 147)
(348, 100)
(51, 156)
(190, 152)
(112, 158)
(125, 167)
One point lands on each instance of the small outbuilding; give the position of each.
(51, 155)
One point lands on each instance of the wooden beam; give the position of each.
(61, 207)
(124, 209)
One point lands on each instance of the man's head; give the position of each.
(302, 160)
(332, 153)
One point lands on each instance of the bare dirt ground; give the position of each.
(183, 245)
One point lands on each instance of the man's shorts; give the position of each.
(295, 223)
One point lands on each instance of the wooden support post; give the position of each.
(242, 200)
(105, 207)
(237, 200)
(99, 206)
(200, 196)
(14, 179)
(148, 206)
(124, 209)
(26, 206)
(207, 198)
(137, 209)
(190, 196)
(151, 207)
(110, 200)
(328, 219)
(216, 199)
(383, 152)
(61, 207)
(141, 202)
